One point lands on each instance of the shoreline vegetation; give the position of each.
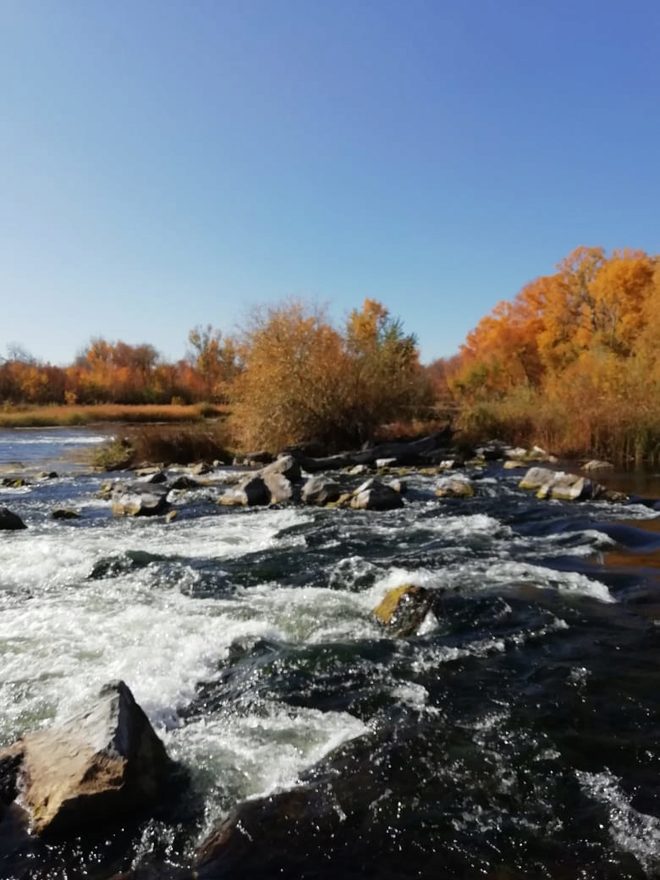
(63, 416)
(571, 364)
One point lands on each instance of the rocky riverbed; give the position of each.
(511, 733)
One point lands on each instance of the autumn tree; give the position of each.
(294, 385)
(305, 381)
(215, 359)
(388, 382)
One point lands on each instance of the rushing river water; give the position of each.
(516, 736)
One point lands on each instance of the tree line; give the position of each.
(572, 361)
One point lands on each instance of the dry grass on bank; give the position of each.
(70, 416)
(624, 430)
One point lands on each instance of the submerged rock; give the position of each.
(403, 609)
(10, 521)
(64, 513)
(596, 465)
(98, 767)
(454, 487)
(184, 482)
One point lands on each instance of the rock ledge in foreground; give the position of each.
(98, 767)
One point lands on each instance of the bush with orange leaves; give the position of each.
(303, 380)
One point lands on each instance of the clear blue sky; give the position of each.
(164, 164)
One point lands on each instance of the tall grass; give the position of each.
(68, 416)
(623, 428)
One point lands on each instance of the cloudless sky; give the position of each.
(165, 164)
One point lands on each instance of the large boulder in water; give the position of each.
(98, 767)
(374, 495)
(403, 609)
(10, 521)
(139, 499)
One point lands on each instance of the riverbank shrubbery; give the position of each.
(305, 380)
(572, 363)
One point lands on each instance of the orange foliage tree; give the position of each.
(573, 358)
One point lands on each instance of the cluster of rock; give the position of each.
(296, 477)
(566, 486)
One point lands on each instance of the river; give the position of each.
(516, 736)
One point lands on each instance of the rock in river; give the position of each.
(98, 767)
(403, 609)
(373, 495)
(454, 487)
(138, 499)
(320, 490)
(10, 521)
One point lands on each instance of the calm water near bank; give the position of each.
(517, 736)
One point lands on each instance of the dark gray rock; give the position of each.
(64, 513)
(250, 492)
(10, 521)
(374, 495)
(184, 482)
